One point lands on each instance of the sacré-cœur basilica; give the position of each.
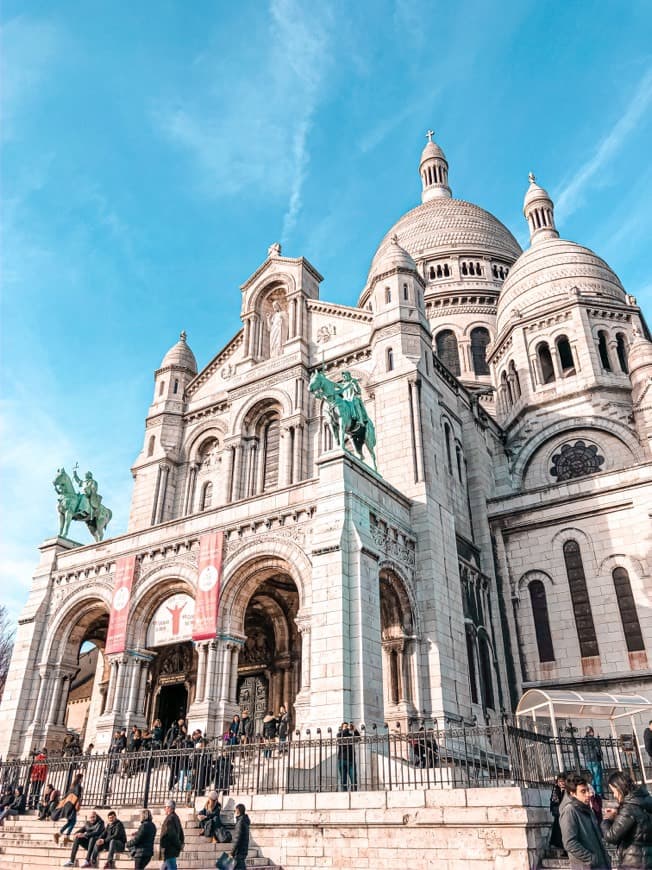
(503, 543)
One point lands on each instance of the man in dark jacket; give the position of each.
(86, 836)
(113, 838)
(630, 826)
(579, 829)
(17, 807)
(141, 845)
(647, 740)
(172, 838)
(240, 838)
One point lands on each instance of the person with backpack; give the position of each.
(37, 775)
(629, 827)
(67, 809)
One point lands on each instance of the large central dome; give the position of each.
(442, 232)
(448, 225)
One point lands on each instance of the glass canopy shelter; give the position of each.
(553, 704)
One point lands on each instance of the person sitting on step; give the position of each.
(112, 838)
(86, 836)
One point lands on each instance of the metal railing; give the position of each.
(374, 761)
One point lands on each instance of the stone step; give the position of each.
(26, 843)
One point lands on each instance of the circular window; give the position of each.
(575, 460)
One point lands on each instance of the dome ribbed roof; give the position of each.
(445, 225)
(180, 356)
(393, 257)
(549, 270)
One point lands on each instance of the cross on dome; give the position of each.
(531, 177)
(430, 134)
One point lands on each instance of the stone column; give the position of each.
(200, 689)
(163, 492)
(233, 688)
(415, 396)
(285, 457)
(55, 700)
(211, 669)
(42, 693)
(298, 448)
(190, 492)
(236, 488)
(118, 700)
(134, 683)
(226, 672)
(65, 691)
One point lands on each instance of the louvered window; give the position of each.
(580, 598)
(627, 608)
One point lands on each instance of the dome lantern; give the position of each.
(433, 169)
(539, 212)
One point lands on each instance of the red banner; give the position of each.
(117, 634)
(208, 585)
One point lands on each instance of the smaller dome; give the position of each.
(534, 193)
(550, 270)
(393, 257)
(180, 356)
(431, 150)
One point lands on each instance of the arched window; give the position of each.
(151, 445)
(546, 368)
(480, 338)
(206, 496)
(390, 360)
(516, 382)
(603, 352)
(271, 443)
(175, 389)
(470, 654)
(388, 295)
(541, 621)
(405, 292)
(161, 388)
(627, 608)
(621, 350)
(458, 457)
(486, 679)
(447, 437)
(393, 671)
(580, 599)
(465, 270)
(431, 273)
(447, 271)
(446, 345)
(565, 353)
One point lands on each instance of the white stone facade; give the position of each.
(505, 542)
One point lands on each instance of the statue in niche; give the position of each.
(276, 323)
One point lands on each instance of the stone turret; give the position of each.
(640, 373)
(433, 169)
(155, 468)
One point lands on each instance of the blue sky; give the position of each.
(152, 151)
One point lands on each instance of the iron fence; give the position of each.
(323, 762)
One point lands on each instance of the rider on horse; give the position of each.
(349, 389)
(89, 487)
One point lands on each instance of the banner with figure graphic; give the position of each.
(208, 585)
(116, 638)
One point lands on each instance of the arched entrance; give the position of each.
(73, 690)
(269, 664)
(173, 668)
(398, 645)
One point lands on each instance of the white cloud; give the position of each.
(27, 48)
(571, 196)
(253, 135)
(381, 131)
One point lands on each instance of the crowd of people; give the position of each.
(96, 836)
(583, 828)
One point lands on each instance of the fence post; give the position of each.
(148, 776)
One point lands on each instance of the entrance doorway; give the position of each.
(172, 704)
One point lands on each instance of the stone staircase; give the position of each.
(26, 842)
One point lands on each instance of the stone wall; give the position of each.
(465, 829)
